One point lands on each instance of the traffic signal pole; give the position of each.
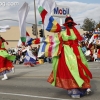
(35, 19)
(43, 30)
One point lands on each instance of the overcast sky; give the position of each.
(79, 10)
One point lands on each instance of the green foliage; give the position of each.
(98, 25)
(88, 24)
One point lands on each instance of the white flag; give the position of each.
(22, 14)
(48, 5)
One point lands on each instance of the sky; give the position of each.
(79, 10)
(85, 1)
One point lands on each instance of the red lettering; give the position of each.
(60, 11)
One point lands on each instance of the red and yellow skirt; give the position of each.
(64, 78)
(5, 65)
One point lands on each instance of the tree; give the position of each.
(88, 24)
(98, 25)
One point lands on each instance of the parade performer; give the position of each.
(94, 46)
(6, 60)
(70, 68)
(98, 47)
(30, 58)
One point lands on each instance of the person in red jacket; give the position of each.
(6, 59)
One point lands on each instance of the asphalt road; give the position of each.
(30, 83)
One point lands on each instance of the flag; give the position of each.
(27, 42)
(42, 47)
(93, 38)
(28, 39)
(51, 46)
(22, 14)
(49, 5)
(45, 8)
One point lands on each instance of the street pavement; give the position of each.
(30, 83)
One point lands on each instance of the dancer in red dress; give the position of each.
(70, 68)
(6, 60)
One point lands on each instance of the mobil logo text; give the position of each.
(61, 11)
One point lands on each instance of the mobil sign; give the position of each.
(60, 11)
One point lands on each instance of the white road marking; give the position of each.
(32, 96)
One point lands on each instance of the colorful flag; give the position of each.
(42, 47)
(51, 46)
(22, 14)
(27, 42)
(45, 8)
(49, 5)
(93, 38)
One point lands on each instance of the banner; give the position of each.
(22, 14)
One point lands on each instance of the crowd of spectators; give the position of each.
(89, 50)
(20, 53)
(89, 45)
